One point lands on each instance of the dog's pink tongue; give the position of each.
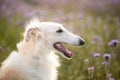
(68, 53)
(65, 51)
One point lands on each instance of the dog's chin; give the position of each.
(63, 50)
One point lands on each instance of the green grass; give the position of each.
(9, 36)
(104, 31)
(96, 31)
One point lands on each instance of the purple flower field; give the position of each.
(97, 21)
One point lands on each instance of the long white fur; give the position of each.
(35, 58)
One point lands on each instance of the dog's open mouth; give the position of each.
(59, 46)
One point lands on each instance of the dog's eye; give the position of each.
(59, 31)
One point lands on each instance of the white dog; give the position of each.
(35, 58)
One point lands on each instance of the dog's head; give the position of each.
(51, 35)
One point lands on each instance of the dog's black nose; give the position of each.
(82, 42)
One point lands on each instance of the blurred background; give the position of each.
(97, 21)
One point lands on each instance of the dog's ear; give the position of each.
(32, 33)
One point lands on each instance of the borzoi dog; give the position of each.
(35, 58)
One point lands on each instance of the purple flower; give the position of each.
(96, 55)
(86, 61)
(91, 69)
(107, 56)
(80, 16)
(108, 75)
(111, 78)
(115, 2)
(113, 43)
(105, 63)
(96, 39)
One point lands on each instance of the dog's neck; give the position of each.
(34, 55)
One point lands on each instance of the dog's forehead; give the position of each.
(50, 25)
